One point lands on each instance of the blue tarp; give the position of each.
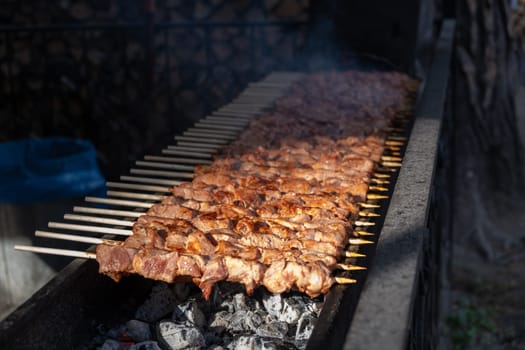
(36, 170)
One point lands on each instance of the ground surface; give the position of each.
(484, 296)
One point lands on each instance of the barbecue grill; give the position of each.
(378, 314)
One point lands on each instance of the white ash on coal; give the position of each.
(273, 330)
(254, 342)
(177, 317)
(305, 326)
(178, 336)
(189, 312)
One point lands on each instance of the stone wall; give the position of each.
(89, 69)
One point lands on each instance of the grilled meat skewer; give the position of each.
(312, 279)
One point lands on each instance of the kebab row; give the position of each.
(277, 207)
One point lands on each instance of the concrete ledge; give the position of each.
(384, 313)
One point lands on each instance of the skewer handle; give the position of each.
(68, 237)
(55, 251)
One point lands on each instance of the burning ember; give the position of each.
(178, 317)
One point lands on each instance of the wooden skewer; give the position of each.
(95, 240)
(364, 233)
(73, 238)
(148, 180)
(179, 152)
(55, 251)
(228, 118)
(137, 187)
(344, 280)
(98, 220)
(202, 139)
(373, 196)
(394, 153)
(133, 195)
(254, 106)
(214, 131)
(204, 146)
(394, 143)
(367, 214)
(209, 134)
(161, 173)
(348, 267)
(260, 98)
(239, 111)
(381, 176)
(244, 116)
(359, 241)
(165, 165)
(177, 160)
(391, 164)
(90, 255)
(233, 122)
(393, 148)
(369, 205)
(110, 212)
(380, 182)
(193, 149)
(391, 159)
(378, 188)
(354, 255)
(119, 202)
(89, 228)
(219, 127)
(364, 223)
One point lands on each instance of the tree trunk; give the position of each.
(489, 153)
